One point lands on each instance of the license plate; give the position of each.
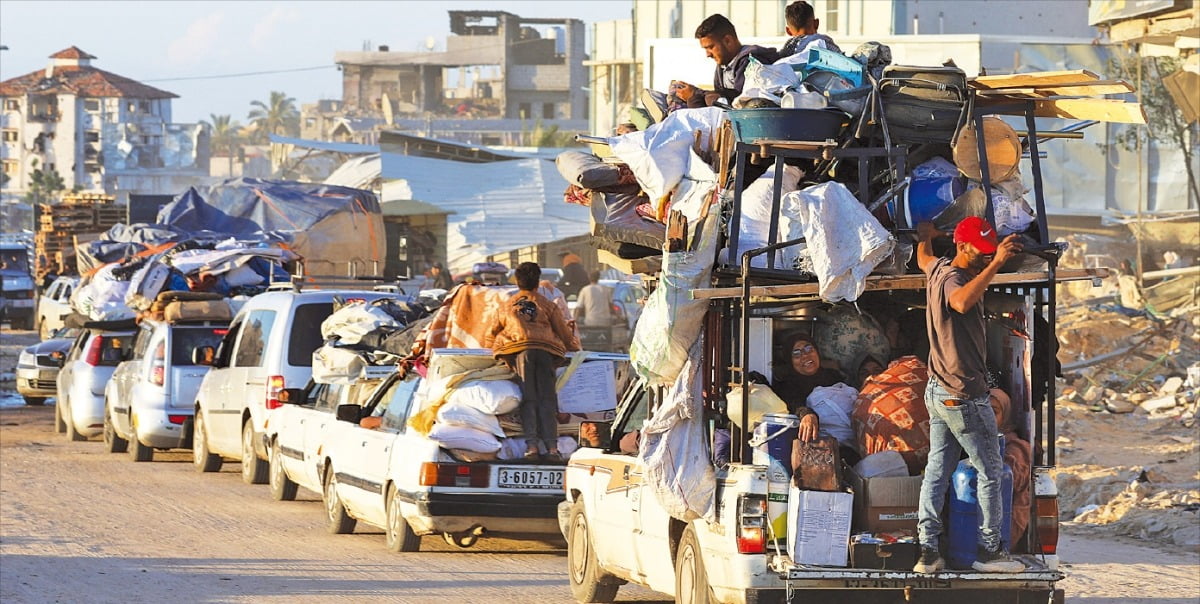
(524, 478)
(47, 375)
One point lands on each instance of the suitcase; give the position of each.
(817, 464)
(924, 104)
(197, 310)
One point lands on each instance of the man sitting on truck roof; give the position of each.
(960, 415)
(718, 37)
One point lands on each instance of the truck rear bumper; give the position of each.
(1035, 582)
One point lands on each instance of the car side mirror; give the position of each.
(595, 434)
(203, 355)
(349, 413)
(291, 396)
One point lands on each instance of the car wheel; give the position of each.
(72, 433)
(34, 401)
(399, 536)
(340, 523)
(691, 581)
(138, 451)
(114, 443)
(588, 582)
(282, 487)
(254, 470)
(60, 426)
(203, 459)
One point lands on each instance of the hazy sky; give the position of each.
(156, 41)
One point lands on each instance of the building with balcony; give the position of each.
(99, 131)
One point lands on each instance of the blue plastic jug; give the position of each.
(965, 515)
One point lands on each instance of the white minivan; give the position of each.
(269, 347)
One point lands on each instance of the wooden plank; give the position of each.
(1101, 110)
(1099, 88)
(878, 282)
(1033, 79)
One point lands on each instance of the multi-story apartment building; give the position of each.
(97, 130)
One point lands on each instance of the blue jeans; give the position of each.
(971, 426)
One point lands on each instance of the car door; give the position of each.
(617, 504)
(289, 424)
(67, 373)
(124, 380)
(369, 451)
(315, 421)
(244, 380)
(215, 389)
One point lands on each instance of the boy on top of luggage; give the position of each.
(802, 25)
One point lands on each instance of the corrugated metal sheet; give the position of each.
(495, 207)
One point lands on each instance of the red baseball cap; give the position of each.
(977, 232)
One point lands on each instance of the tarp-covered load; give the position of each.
(331, 227)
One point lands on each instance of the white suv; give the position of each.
(150, 399)
(269, 347)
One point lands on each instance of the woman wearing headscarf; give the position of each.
(797, 376)
(1019, 456)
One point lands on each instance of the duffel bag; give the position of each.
(924, 104)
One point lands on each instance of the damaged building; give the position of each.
(498, 76)
(98, 130)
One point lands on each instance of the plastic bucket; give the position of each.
(928, 196)
(965, 516)
(771, 444)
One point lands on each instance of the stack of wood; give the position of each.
(1061, 94)
(77, 219)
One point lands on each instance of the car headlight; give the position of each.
(26, 359)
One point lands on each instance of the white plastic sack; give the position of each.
(833, 406)
(103, 298)
(755, 224)
(463, 415)
(766, 82)
(462, 437)
(353, 321)
(493, 397)
(674, 447)
(333, 365)
(1013, 213)
(881, 465)
(146, 284)
(844, 240)
(658, 156)
(243, 275)
(671, 311)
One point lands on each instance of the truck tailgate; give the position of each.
(798, 576)
(185, 383)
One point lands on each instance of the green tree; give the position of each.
(44, 185)
(277, 116)
(226, 136)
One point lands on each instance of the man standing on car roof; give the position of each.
(960, 413)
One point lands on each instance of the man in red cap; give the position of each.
(960, 413)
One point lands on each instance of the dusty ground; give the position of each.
(77, 523)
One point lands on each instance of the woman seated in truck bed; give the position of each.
(797, 376)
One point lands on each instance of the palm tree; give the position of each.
(226, 136)
(277, 116)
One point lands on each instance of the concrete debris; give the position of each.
(1171, 386)
(1119, 405)
(1160, 403)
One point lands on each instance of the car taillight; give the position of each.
(157, 374)
(275, 385)
(1047, 524)
(93, 354)
(752, 524)
(454, 475)
(177, 419)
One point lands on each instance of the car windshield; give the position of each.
(14, 260)
(186, 339)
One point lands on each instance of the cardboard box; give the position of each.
(819, 527)
(885, 556)
(885, 504)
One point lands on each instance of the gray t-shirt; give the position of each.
(957, 344)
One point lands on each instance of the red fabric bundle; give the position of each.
(890, 413)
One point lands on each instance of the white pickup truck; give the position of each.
(617, 530)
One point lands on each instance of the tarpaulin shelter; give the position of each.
(338, 230)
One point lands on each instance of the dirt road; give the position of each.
(80, 524)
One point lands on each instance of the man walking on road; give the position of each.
(593, 308)
(960, 413)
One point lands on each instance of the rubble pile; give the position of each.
(1129, 456)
